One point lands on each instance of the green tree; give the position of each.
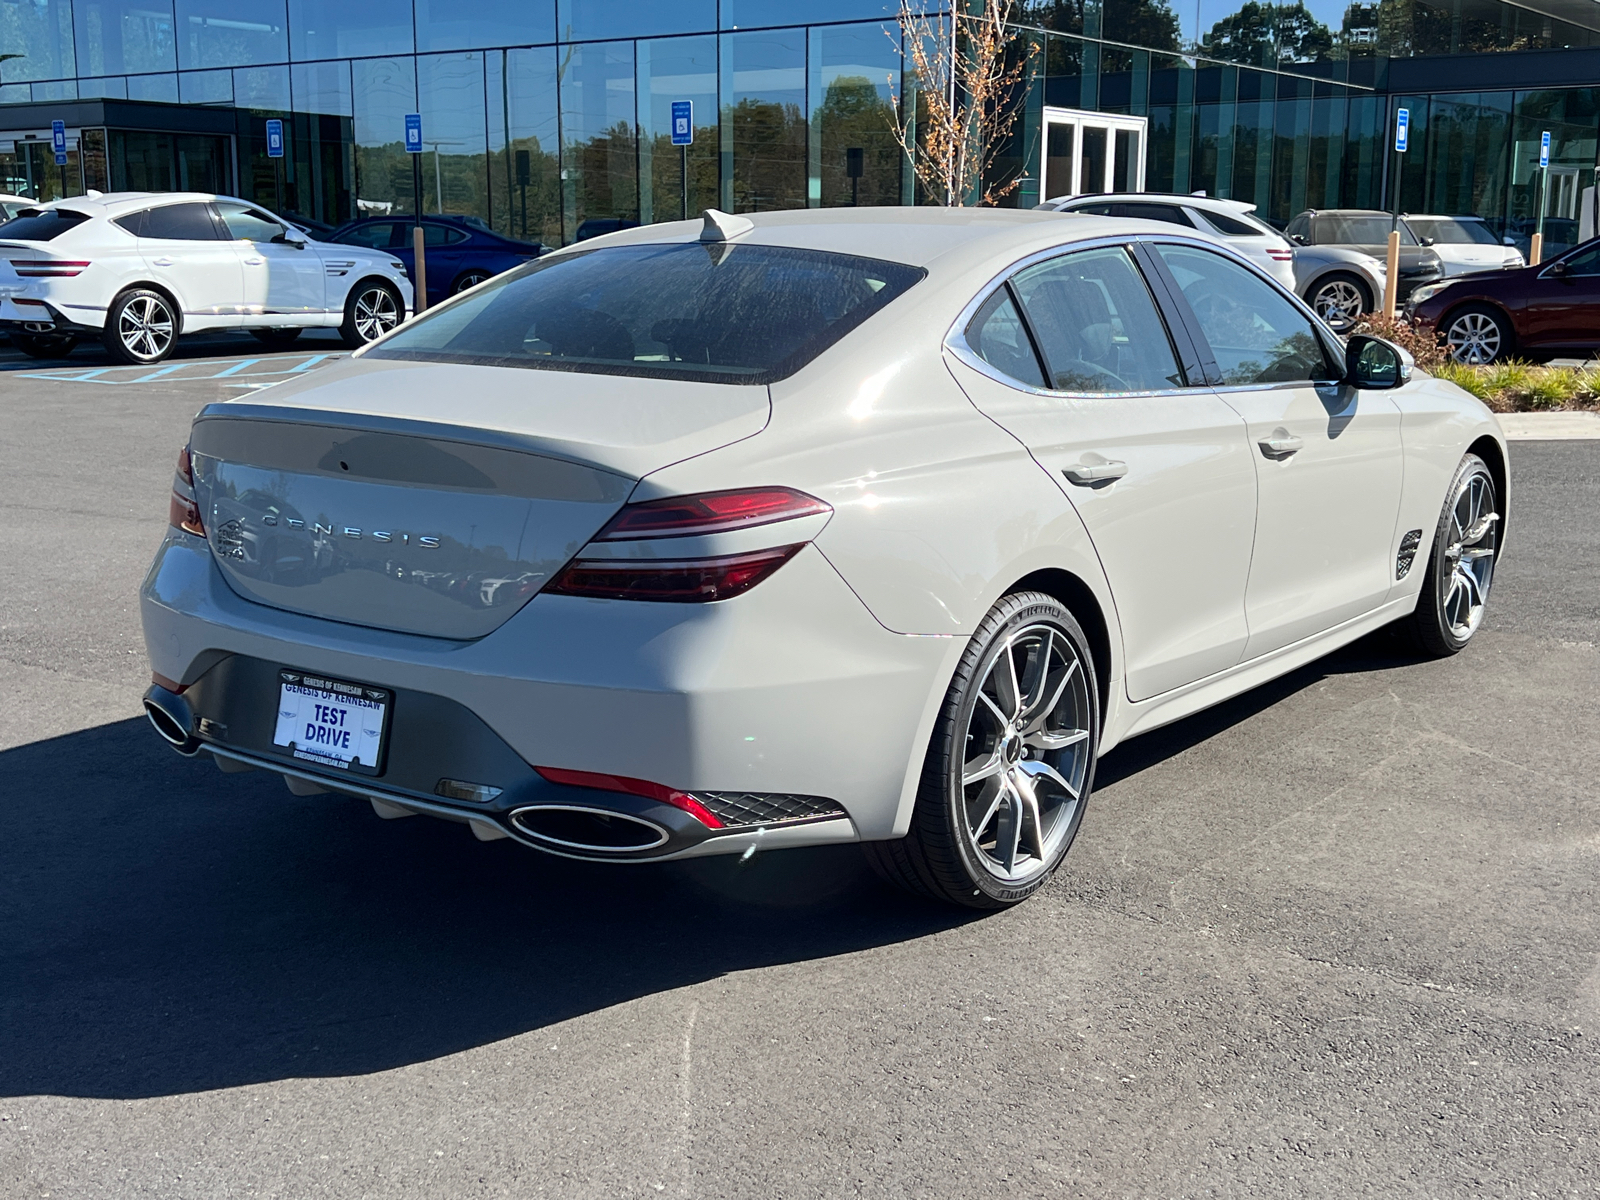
(1263, 35)
(1148, 23)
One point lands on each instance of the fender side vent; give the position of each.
(1408, 553)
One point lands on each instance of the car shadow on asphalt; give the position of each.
(166, 929)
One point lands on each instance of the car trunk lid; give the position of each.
(345, 496)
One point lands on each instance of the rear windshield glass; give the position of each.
(713, 312)
(40, 225)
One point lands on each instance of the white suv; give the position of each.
(136, 269)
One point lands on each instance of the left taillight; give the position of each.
(182, 510)
(1281, 255)
(48, 268)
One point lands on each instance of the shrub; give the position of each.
(1419, 341)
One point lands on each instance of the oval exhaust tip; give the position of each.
(579, 829)
(171, 718)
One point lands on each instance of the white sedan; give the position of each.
(138, 269)
(874, 525)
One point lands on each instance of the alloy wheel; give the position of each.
(1027, 754)
(376, 313)
(1469, 554)
(1474, 338)
(1338, 302)
(469, 280)
(144, 326)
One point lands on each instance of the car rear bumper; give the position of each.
(791, 690)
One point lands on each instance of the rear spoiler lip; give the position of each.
(472, 435)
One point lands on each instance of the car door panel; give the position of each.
(1560, 309)
(1328, 459)
(1161, 478)
(182, 249)
(284, 282)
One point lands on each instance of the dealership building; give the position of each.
(539, 115)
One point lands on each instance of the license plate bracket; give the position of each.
(332, 722)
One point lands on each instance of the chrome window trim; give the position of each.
(955, 340)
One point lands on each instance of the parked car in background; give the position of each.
(600, 226)
(139, 269)
(461, 251)
(1549, 309)
(1464, 244)
(1560, 234)
(631, 541)
(1340, 284)
(1366, 231)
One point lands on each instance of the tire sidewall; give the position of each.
(349, 330)
(1435, 586)
(112, 336)
(1012, 613)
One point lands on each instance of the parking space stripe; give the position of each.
(159, 374)
(236, 368)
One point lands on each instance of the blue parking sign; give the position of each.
(274, 139)
(1544, 149)
(1402, 129)
(58, 136)
(414, 133)
(683, 122)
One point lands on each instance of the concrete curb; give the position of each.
(1551, 426)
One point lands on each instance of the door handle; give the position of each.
(163, 261)
(1086, 474)
(1280, 443)
(254, 261)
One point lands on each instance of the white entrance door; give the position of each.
(1083, 152)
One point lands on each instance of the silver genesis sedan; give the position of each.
(865, 525)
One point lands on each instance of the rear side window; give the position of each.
(432, 235)
(1097, 325)
(378, 236)
(41, 225)
(175, 222)
(1170, 213)
(1229, 227)
(716, 313)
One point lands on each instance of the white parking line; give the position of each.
(188, 372)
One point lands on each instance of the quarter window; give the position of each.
(1256, 335)
(1586, 262)
(1170, 213)
(997, 336)
(1097, 326)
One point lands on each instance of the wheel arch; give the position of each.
(1493, 455)
(1080, 599)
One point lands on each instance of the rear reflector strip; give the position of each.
(685, 581)
(633, 787)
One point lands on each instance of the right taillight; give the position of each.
(710, 512)
(182, 511)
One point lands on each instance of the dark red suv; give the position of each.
(1553, 308)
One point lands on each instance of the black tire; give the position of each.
(471, 277)
(1460, 570)
(366, 318)
(1332, 293)
(277, 338)
(1477, 334)
(44, 345)
(942, 856)
(142, 327)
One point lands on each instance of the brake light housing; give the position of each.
(1280, 255)
(48, 268)
(182, 509)
(710, 512)
(682, 581)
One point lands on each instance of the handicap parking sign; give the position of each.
(274, 139)
(683, 122)
(414, 133)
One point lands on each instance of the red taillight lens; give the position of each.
(48, 268)
(182, 511)
(633, 787)
(710, 512)
(691, 581)
(1281, 255)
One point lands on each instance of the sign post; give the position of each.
(1391, 285)
(414, 148)
(683, 138)
(1536, 250)
(58, 141)
(275, 153)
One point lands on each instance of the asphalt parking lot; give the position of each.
(1339, 938)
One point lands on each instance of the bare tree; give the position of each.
(963, 100)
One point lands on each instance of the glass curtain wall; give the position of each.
(677, 181)
(599, 145)
(764, 128)
(532, 200)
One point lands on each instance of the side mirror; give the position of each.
(1426, 241)
(1509, 241)
(1374, 364)
(292, 237)
(1299, 239)
(1556, 270)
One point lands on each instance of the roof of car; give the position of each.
(1181, 198)
(905, 234)
(115, 204)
